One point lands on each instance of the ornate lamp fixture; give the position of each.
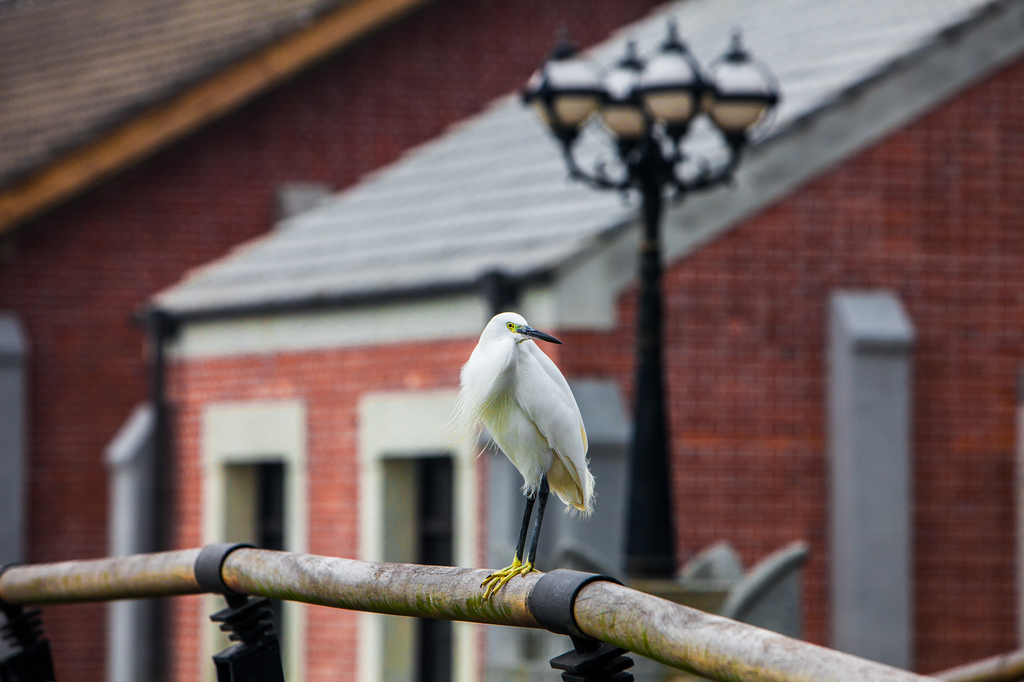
(646, 108)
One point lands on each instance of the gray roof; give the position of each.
(492, 193)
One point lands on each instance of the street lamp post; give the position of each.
(647, 109)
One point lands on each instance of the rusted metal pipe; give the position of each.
(1007, 667)
(678, 636)
(712, 646)
(442, 592)
(140, 576)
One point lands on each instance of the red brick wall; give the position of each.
(76, 275)
(331, 384)
(934, 213)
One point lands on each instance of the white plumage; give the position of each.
(516, 391)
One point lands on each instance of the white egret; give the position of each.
(510, 386)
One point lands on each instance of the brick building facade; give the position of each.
(929, 213)
(77, 274)
(932, 213)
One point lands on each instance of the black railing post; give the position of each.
(256, 654)
(552, 602)
(30, 660)
(593, 661)
(162, 327)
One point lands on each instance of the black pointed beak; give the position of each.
(533, 333)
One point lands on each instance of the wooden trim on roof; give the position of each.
(216, 96)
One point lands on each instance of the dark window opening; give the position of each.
(269, 521)
(434, 546)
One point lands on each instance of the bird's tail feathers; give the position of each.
(578, 499)
(589, 495)
(579, 510)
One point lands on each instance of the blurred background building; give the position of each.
(843, 324)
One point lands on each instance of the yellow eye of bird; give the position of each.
(511, 326)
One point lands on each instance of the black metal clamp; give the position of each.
(30, 659)
(256, 655)
(552, 602)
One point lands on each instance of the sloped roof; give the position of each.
(72, 67)
(492, 193)
(99, 84)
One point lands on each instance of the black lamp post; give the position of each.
(647, 108)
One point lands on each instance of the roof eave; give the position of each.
(185, 313)
(163, 124)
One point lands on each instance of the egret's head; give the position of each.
(505, 324)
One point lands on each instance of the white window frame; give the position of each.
(406, 425)
(255, 432)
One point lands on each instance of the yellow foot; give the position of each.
(495, 581)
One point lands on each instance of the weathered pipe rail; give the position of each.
(562, 601)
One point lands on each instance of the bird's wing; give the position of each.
(544, 395)
(554, 374)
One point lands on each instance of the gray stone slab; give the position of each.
(869, 438)
(13, 439)
(130, 459)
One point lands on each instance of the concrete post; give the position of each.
(13, 445)
(130, 459)
(869, 444)
(1019, 493)
(13, 440)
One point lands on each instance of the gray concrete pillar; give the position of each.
(13, 446)
(131, 459)
(13, 440)
(1019, 492)
(869, 441)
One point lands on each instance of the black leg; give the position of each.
(495, 581)
(527, 513)
(543, 495)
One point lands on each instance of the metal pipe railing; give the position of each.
(441, 592)
(140, 576)
(675, 635)
(1007, 667)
